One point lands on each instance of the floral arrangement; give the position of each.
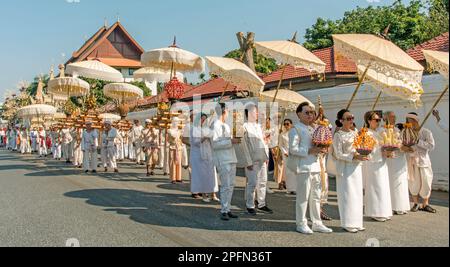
(409, 136)
(364, 143)
(391, 139)
(322, 136)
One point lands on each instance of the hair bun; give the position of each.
(339, 123)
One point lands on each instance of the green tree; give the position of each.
(143, 86)
(410, 24)
(32, 88)
(262, 64)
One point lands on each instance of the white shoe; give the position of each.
(207, 200)
(321, 229)
(351, 230)
(216, 199)
(269, 191)
(379, 219)
(361, 229)
(304, 230)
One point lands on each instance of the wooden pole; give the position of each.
(376, 101)
(359, 86)
(279, 84)
(434, 106)
(224, 90)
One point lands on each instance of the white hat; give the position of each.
(148, 121)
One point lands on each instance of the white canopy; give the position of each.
(438, 61)
(94, 69)
(181, 60)
(155, 74)
(38, 110)
(123, 91)
(68, 87)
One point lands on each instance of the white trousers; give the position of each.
(309, 189)
(109, 157)
(420, 181)
(256, 185)
(67, 151)
(42, 150)
(227, 175)
(77, 156)
(139, 151)
(57, 152)
(90, 160)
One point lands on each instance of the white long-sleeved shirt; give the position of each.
(89, 140)
(424, 146)
(109, 138)
(443, 126)
(222, 146)
(300, 142)
(257, 150)
(136, 134)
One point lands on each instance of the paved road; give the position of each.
(44, 203)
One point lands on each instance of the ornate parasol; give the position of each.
(290, 53)
(287, 99)
(67, 86)
(437, 61)
(384, 64)
(94, 69)
(236, 73)
(109, 117)
(124, 92)
(155, 74)
(173, 58)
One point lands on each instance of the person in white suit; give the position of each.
(304, 162)
(67, 139)
(419, 166)
(225, 160)
(257, 159)
(89, 145)
(109, 146)
(136, 140)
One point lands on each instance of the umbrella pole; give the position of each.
(224, 90)
(376, 101)
(434, 106)
(359, 86)
(279, 84)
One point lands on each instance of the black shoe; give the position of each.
(224, 217)
(251, 211)
(116, 170)
(86, 171)
(325, 216)
(196, 196)
(415, 208)
(232, 216)
(428, 208)
(265, 209)
(94, 171)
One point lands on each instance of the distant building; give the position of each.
(113, 46)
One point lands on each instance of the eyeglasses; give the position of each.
(349, 118)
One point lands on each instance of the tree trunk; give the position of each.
(246, 46)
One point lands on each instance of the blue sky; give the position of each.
(38, 34)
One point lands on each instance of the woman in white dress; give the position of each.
(204, 177)
(348, 174)
(398, 174)
(377, 196)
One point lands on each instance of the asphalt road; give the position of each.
(45, 203)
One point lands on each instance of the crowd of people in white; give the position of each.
(377, 186)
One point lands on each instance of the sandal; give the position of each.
(428, 208)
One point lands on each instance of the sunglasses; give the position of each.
(377, 120)
(349, 118)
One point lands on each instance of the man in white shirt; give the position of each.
(109, 147)
(419, 166)
(224, 160)
(257, 158)
(67, 144)
(304, 162)
(441, 123)
(136, 139)
(89, 144)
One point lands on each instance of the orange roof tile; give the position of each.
(327, 55)
(211, 87)
(439, 43)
